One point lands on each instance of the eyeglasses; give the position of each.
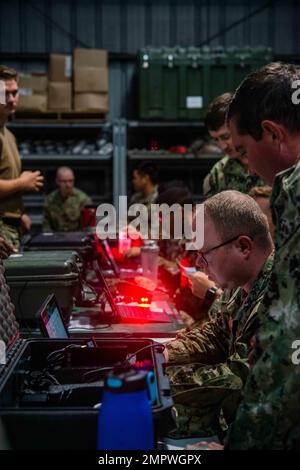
(12, 93)
(201, 254)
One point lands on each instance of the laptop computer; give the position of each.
(120, 272)
(156, 312)
(50, 319)
(51, 323)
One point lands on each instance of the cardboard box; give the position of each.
(60, 96)
(38, 83)
(91, 102)
(60, 68)
(91, 79)
(90, 58)
(33, 103)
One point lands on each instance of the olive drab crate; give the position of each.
(179, 83)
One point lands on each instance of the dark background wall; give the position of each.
(123, 26)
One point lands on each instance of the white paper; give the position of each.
(68, 66)
(194, 102)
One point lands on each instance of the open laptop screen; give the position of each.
(51, 321)
(110, 257)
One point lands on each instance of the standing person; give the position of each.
(264, 120)
(231, 172)
(13, 182)
(63, 207)
(262, 195)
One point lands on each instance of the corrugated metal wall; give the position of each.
(42, 26)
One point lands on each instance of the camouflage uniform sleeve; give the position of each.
(46, 224)
(86, 200)
(207, 344)
(269, 415)
(210, 183)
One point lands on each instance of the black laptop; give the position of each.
(121, 272)
(50, 319)
(156, 312)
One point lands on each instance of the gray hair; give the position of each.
(234, 213)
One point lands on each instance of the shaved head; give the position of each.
(63, 171)
(65, 180)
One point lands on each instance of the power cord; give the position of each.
(126, 362)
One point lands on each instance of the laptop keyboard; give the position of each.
(135, 314)
(11, 354)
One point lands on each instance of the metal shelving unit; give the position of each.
(94, 173)
(172, 166)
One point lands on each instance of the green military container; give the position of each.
(179, 83)
(32, 276)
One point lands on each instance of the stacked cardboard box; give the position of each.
(33, 92)
(60, 84)
(90, 80)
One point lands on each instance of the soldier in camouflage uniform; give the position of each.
(208, 388)
(263, 116)
(231, 172)
(144, 181)
(63, 207)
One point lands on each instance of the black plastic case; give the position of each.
(68, 420)
(82, 242)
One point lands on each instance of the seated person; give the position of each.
(144, 182)
(170, 249)
(262, 195)
(63, 207)
(237, 254)
(231, 172)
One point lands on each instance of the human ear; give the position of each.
(273, 131)
(244, 244)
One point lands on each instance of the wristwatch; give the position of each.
(210, 297)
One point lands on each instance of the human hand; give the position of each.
(6, 248)
(26, 223)
(203, 445)
(31, 180)
(199, 283)
(132, 252)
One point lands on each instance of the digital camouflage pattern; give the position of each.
(64, 215)
(206, 396)
(139, 198)
(10, 234)
(229, 173)
(269, 415)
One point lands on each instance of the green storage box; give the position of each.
(32, 276)
(179, 83)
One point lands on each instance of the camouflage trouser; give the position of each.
(205, 397)
(10, 234)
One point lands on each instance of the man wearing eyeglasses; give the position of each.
(264, 119)
(237, 254)
(13, 182)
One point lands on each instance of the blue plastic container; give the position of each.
(125, 419)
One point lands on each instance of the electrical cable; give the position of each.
(125, 363)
